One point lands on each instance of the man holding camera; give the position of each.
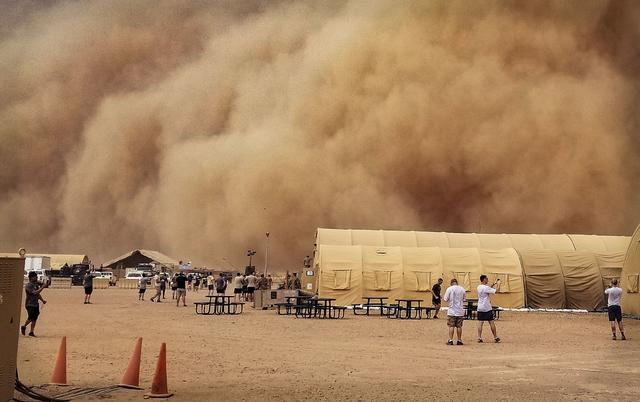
(614, 294)
(33, 289)
(485, 310)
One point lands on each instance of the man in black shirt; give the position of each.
(181, 290)
(435, 297)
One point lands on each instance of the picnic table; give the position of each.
(379, 303)
(408, 309)
(472, 306)
(218, 304)
(289, 305)
(319, 307)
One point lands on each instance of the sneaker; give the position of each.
(624, 338)
(450, 342)
(480, 340)
(435, 317)
(32, 334)
(459, 343)
(23, 329)
(496, 339)
(613, 337)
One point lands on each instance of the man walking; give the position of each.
(435, 297)
(455, 295)
(157, 284)
(614, 294)
(87, 282)
(33, 290)
(181, 290)
(485, 310)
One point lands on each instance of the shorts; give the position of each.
(174, 288)
(33, 313)
(251, 290)
(454, 321)
(237, 291)
(88, 290)
(142, 291)
(210, 287)
(485, 315)
(244, 289)
(615, 313)
(220, 290)
(181, 292)
(436, 301)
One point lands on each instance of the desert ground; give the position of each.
(262, 356)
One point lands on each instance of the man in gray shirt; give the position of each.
(87, 282)
(614, 294)
(33, 290)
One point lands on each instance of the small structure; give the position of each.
(141, 256)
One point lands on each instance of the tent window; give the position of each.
(423, 281)
(505, 285)
(464, 279)
(632, 283)
(341, 279)
(377, 280)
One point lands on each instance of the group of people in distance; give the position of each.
(244, 286)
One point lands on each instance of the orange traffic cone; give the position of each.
(159, 384)
(131, 377)
(59, 376)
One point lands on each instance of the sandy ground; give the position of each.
(259, 355)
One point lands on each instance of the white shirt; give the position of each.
(484, 304)
(251, 281)
(237, 282)
(614, 293)
(456, 296)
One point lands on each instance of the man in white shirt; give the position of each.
(455, 296)
(614, 294)
(485, 311)
(156, 286)
(252, 281)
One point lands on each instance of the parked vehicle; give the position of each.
(109, 275)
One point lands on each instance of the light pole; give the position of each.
(266, 254)
(250, 253)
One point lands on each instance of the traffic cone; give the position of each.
(131, 377)
(159, 384)
(59, 376)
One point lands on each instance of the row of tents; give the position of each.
(537, 271)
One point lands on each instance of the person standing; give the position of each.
(295, 282)
(174, 285)
(263, 283)
(269, 281)
(32, 289)
(435, 297)
(163, 284)
(210, 283)
(142, 287)
(307, 262)
(614, 294)
(244, 287)
(157, 283)
(251, 286)
(87, 282)
(485, 310)
(455, 295)
(237, 287)
(221, 284)
(181, 290)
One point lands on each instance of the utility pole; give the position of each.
(266, 254)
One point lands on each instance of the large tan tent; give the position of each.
(630, 281)
(537, 270)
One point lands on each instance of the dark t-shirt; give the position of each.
(436, 291)
(32, 298)
(181, 282)
(88, 280)
(220, 282)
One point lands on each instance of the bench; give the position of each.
(287, 308)
(367, 307)
(337, 312)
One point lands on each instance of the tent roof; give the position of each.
(57, 260)
(391, 238)
(151, 254)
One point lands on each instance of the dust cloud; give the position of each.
(194, 127)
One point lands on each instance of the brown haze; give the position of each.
(194, 127)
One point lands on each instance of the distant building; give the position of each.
(141, 256)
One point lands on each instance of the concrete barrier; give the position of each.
(128, 283)
(100, 283)
(60, 283)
